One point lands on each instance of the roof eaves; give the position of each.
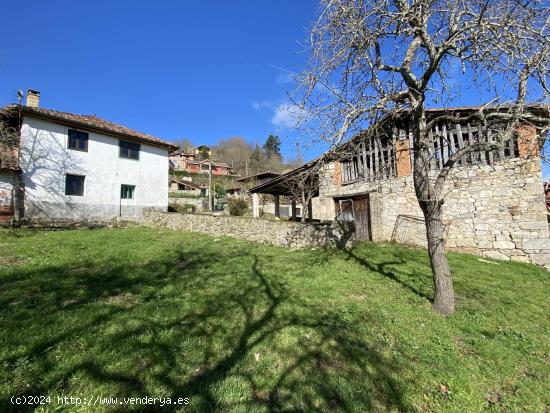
(59, 118)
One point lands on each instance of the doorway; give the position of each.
(127, 200)
(356, 209)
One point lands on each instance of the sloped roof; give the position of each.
(279, 185)
(188, 183)
(222, 164)
(96, 124)
(260, 175)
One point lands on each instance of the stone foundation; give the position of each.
(284, 233)
(496, 211)
(36, 210)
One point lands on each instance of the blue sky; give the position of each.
(175, 69)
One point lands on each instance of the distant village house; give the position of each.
(189, 162)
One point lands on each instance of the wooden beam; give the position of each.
(277, 205)
(364, 157)
(255, 205)
(376, 163)
(460, 142)
(371, 166)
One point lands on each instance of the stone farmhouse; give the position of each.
(65, 166)
(494, 204)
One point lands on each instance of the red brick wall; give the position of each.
(337, 173)
(6, 213)
(403, 158)
(527, 141)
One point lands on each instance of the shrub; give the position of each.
(182, 208)
(189, 208)
(237, 206)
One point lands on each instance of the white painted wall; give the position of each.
(45, 159)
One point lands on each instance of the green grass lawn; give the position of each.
(236, 326)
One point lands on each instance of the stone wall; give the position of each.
(7, 182)
(198, 203)
(285, 233)
(496, 210)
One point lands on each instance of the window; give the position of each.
(346, 210)
(127, 191)
(78, 141)
(74, 185)
(129, 150)
(350, 171)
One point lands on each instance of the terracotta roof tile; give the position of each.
(99, 124)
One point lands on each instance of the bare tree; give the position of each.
(235, 151)
(185, 145)
(372, 60)
(303, 185)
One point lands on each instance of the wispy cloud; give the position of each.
(284, 76)
(264, 104)
(287, 116)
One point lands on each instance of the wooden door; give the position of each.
(361, 216)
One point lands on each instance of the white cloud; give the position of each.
(259, 105)
(287, 116)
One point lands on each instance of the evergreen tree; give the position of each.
(272, 148)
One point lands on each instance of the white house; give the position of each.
(82, 167)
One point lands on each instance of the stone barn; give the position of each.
(494, 204)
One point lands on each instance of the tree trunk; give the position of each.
(442, 278)
(431, 208)
(304, 207)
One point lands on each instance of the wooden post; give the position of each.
(277, 205)
(210, 198)
(460, 143)
(293, 209)
(310, 210)
(255, 205)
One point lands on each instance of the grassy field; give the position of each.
(235, 326)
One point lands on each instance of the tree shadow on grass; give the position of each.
(221, 328)
(414, 279)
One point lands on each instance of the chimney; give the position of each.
(33, 98)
